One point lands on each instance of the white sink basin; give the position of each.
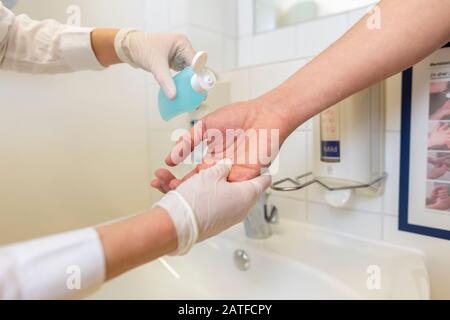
(297, 262)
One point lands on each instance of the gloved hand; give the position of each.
(208, 204)
(156, 53)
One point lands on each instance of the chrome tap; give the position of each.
(258, 221)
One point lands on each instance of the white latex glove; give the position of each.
(156, 53)
(208, 204)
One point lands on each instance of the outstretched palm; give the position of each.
(240, 121)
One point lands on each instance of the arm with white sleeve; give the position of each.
(48, 46)
(72, 265)
(44, 46)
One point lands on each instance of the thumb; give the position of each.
(188, 54)
(258, 184)
(164, 78)
(219, 171)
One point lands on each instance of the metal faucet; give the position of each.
(258, 221)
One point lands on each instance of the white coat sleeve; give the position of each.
(44, 46)
(66, 266)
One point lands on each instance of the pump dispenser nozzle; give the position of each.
(204, 79)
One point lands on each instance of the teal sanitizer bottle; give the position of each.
(193, 84)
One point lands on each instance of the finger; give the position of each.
(243, 173)
(157, 185)
(174, 184)
(219, 171)
(165, 177)
(186, 145)
(183, 54)
(164, 78)
(183, 58)
(257, 185)
(188, 53)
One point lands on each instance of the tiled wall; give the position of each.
(210, 25)
(302, 40)
(374, 218)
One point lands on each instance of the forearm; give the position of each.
(62, 266)
(130, 243)
(73, 264)
(410, 30)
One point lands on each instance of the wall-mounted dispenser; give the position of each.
(348, 149)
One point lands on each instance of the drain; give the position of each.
(241, 260)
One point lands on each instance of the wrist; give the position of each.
(287, 108)
(183, 219)
(122, 51)
(134, 241)
(103, 46)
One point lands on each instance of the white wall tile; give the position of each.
(292, 162)
(217, 98)
(245, 18)
(436, 255)
(315, 36)
(307, 126)
(274, 46)
(310, 158)
(393, 102)
(374, 204)
(178, 13)
(214, 15)
(221, 49)
(239, 82)
(230, 55)
(392, 168)
(289, 208)
(245, 51)
(99, 13)
(353, 222)
(157, 16)
(356, 15)
(268, 77)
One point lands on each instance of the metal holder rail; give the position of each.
(297, 185)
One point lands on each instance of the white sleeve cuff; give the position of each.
(66, 266)
(76, 48)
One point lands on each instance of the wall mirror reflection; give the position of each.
(274, 14)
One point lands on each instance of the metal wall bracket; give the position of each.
(297, 184)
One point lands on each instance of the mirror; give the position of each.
(274, 14)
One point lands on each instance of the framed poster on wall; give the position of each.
(424, 204)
